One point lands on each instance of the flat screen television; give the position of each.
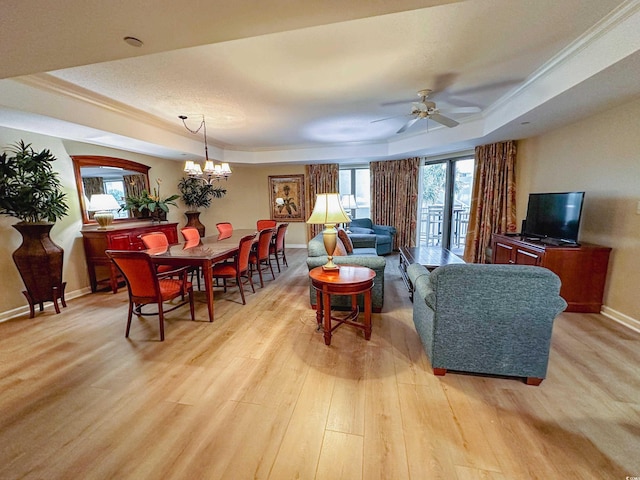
(554, 217)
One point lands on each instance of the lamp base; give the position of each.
(104, 219)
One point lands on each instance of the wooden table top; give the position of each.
(345, 275)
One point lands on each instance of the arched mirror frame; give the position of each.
(80, 161)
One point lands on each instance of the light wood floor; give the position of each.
(257, 394)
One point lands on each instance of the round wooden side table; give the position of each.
(349, 280)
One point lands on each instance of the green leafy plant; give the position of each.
(29, 188)
(197, 193)
(150, 201)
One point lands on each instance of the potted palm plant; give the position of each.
(31, 192)
(197, 193)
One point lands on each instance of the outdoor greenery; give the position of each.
(29, 188)
(197, 193)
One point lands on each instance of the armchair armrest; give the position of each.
(384, 230)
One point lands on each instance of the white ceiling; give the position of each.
(282, 81)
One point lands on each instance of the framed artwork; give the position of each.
(287, 198)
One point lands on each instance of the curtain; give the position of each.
(134, 185)
(394, 197)
(319, 179)
(92, 186)
(493, 202)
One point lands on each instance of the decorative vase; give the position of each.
(194, 221)
(158, 216)
(39, 262)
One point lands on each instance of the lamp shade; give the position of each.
(349, 202)
(101, 202)
(328, 210)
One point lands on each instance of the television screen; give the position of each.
(555, 216)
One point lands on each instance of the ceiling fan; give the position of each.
(427, 109)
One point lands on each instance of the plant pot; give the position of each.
(140, 213)
(194, 221)
(39, 262)
(158, 216)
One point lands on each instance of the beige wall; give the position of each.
(601, 156)
(246, 201)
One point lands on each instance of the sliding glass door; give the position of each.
(444, 203)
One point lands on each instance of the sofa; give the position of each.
(486, 319)
(363, 228)
(364, 255)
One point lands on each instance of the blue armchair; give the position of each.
(487, 319)
(362, 228)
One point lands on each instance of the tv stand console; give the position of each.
(582, 268)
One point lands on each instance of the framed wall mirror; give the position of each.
(108, 175)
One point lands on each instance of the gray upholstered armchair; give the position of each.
(488, 319)
(363, 227)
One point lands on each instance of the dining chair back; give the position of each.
(157, 240)
(239, 268)
(259, 256)
(277, 248)
(146, 286)
(262, 224)
(190, 234)
(192, 238)
(224, 228)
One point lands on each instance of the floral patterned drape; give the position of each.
(493, 202)
(319, 179)
(394, 197)
(134, 185)
(92, 186)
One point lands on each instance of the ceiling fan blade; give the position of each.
(446, 121)
(389, 118)
(463, 110)
(408, 124)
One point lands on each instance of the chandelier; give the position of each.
(211, 170)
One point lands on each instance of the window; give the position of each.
(355, 190)
(445, 201)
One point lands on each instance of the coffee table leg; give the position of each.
(326, 306)
(367, 315)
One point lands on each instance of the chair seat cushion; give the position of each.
(171, 288)
(224, 269)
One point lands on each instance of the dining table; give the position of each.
(203, 253)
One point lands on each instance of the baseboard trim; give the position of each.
(16, 312)
(621, 318)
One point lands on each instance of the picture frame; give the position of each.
(286, 196)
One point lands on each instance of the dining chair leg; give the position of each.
(271, 268)
(161, 321)
(239, 282)
(260, 275)
(129, 319)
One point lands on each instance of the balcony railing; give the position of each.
(431, 225)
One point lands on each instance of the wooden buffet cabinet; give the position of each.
(582, 268)
(125, 236)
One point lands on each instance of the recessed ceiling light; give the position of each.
(133, 41)
(525, 123)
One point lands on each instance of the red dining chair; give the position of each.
(224, 228)
(238, 268)
(277, 249)
(192, 238)
(262, 224)
(146, 286)
(259, 256)
(157, 240)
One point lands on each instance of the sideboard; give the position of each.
(582, 268)
(117, 237)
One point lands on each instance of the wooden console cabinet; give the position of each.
(125, 236)
(582, 269)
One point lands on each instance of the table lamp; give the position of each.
(103, 205)
(328, 211)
